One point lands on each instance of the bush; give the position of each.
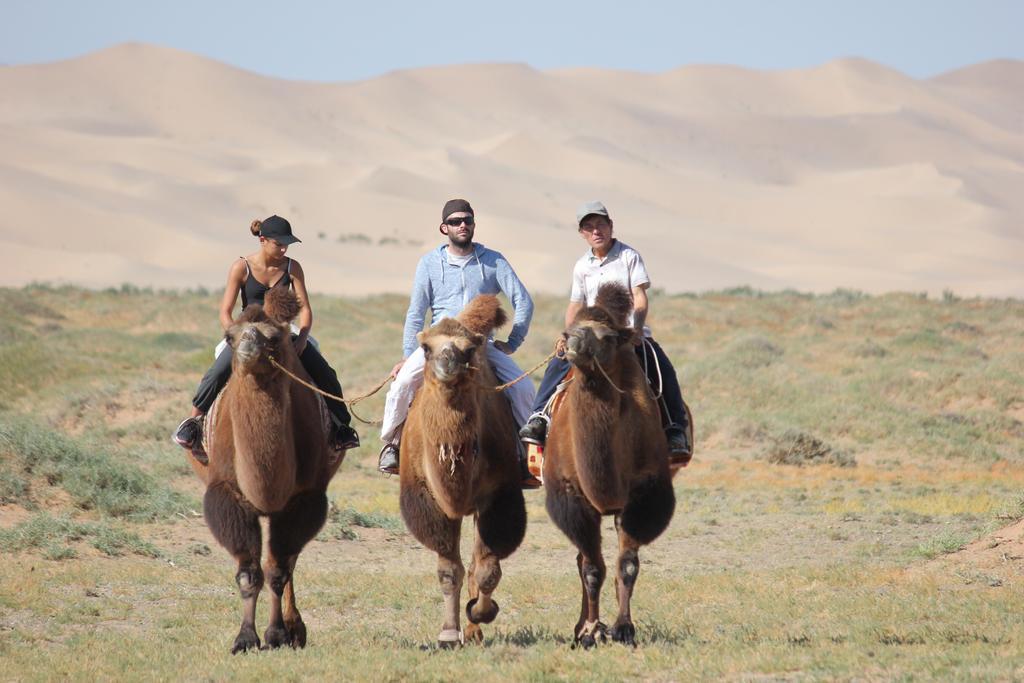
(799, 449)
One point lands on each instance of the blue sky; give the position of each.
(341, 41)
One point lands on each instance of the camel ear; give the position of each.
(602, 332)
(420, 336)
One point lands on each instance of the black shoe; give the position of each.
(388, 463)
(189, 435)
(679, 446)
(534, 431)
(345, 438)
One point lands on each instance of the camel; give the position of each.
(606, 454)
(459, 458)
(268, 457)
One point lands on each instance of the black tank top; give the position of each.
(253, 290)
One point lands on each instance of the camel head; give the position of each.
(450, 346)
(599, 331)
(263, 331)
(450, 350)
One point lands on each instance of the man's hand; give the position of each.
(560, 346)
(503, 347)
(300, 344)
(398, 366)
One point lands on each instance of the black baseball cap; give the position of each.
(278, 229)
(455, 206)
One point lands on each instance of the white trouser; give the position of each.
(410, 377)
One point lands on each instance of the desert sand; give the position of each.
(145, 165)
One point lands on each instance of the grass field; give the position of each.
(849, 448)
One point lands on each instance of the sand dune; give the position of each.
(143, 164)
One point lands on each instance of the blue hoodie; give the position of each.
(446, 289)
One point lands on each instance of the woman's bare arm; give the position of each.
(236, 278)
(305, 319)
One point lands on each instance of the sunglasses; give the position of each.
(455, 222)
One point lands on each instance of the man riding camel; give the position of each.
(607, 259)
(447, 279)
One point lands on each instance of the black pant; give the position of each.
(319, 370)
(670, 404)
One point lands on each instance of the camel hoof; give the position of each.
(296, 633)
(474, 634)
(274, 637)
(624, 633)
(246, 640)
(478, 617)
(588, 635)
(449, 639)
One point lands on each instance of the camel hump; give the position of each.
(281, 304)
(617, 301)
(483, 314)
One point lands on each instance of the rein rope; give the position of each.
(352, 401)
(601, 368)
(657, 368)
(347, 401)
(506, 385)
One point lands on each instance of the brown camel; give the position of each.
(459, 457)
(269, 457)
(607, 455)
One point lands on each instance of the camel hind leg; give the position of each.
(236, 526)
(290, 530)
(578, 520)
(500, 527)
(644, 518)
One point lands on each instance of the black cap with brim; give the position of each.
(455, 206)
(279, 230)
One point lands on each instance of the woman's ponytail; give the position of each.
(255, 227)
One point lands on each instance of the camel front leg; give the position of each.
(290, 530)
(627, 571)
(484, 575)
(589, 629)
(293, 624)
(450, 574)
(236, 526)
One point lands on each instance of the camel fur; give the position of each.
(459, 458)
(606, 454)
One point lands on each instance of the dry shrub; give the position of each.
(800, 448)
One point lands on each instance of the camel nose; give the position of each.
(249, 342)
(573, 347)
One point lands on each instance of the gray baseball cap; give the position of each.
(590, 209)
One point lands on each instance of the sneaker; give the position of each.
(388, 463)
(534, 431)
(345, 438)
(679, 446)
(189, 435)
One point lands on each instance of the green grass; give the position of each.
(767, 570)
(56, 537)
(92, 477)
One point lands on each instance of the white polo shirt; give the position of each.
(623, 264)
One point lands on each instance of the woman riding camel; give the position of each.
(253, 276)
